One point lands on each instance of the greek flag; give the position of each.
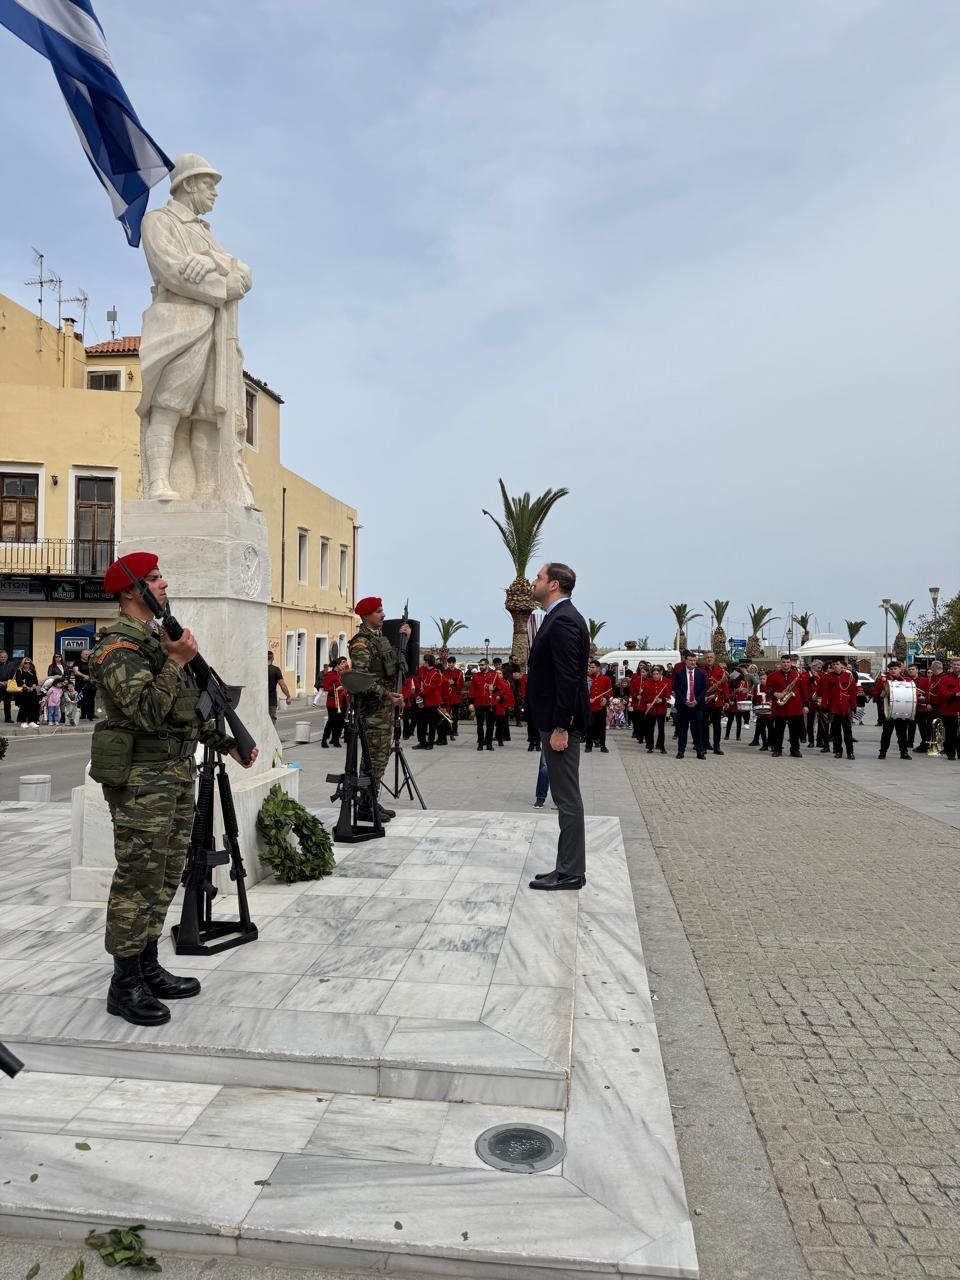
(123, 155)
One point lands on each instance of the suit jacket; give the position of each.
(680, 687)
(557, 671)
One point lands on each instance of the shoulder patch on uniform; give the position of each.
(357, 644)
(118, 644)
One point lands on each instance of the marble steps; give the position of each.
(369, 1184)
(419, 969)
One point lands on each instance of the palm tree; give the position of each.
(803, 621)
(718, 611)
(448, 628)
(854, 629)
(683, 617)
(760, 615)
(523, 520)
(899, 613)
(594, 628)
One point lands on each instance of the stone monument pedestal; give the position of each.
(214, 555)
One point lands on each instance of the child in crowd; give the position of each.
(52, 700)
(70, 704)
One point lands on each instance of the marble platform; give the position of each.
(319, 1102)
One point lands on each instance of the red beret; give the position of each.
(369, 604)
(140, 563)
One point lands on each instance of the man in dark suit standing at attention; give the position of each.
(690, 692)
(558, 708)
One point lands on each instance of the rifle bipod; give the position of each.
(356, 788)
(197, 933)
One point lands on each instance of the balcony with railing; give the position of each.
(56, 570)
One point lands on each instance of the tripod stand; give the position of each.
(409, 783)
(396, 751)
(197, 933)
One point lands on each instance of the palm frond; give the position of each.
(760, 615)
(523, 520)
(448, 628)
(899, 613)
(854, 628)
(718, 610)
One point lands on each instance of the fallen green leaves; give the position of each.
(122, 1247)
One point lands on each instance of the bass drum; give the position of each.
(900, 700)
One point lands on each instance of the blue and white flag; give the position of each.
(124, 157)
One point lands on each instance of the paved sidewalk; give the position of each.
(823, 918)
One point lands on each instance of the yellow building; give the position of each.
(70, 458)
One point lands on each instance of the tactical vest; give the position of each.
(119, 742)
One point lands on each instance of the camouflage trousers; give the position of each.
(378, 726)
(152, 820)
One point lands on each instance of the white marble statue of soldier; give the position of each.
(191, 409)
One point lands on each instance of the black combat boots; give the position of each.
(160, 983)
(129, 998)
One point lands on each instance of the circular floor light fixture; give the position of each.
(520, 1148)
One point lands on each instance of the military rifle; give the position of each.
(9, 1065)
(215, 697)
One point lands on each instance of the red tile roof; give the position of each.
(116, 347)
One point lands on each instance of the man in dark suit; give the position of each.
(558, 708)
(690, 692)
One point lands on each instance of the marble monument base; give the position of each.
(319, 1102)
(216, 562)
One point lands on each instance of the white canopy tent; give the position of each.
(830, 646)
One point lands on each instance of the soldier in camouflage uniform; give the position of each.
(143, 754)
(372, 652)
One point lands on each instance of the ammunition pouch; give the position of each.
(111, 755)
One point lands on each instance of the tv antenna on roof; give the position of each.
(84, 301)
(41, 280)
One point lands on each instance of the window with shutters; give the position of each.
(103, 380)
(251, 412)
(19, 496)
(93, 524)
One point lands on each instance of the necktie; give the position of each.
(689, 686)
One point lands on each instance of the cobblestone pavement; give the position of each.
(824, 921)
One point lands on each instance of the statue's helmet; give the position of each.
(191, 166)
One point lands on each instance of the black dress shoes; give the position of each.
(604, 751)
(554, 880)
(545, 875)
(702, 755)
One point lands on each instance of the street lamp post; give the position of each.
(486, 646)
(935, 596)
(885, 606)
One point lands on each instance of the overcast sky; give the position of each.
(697, 262)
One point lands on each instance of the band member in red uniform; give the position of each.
(655, 698)
(816, 729)
(501, 727)
(761, 715)
(739, 683)
(336, 703)
(409, 691)
(502, 707)
(637, 705)
(894, 673)
(431, 696)
(924, 714)
(482, 684)
(912, 673)
(601, 691)
(453, 691)
(718, 691)
(787, 687)
(838, 700)
(945, 699)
